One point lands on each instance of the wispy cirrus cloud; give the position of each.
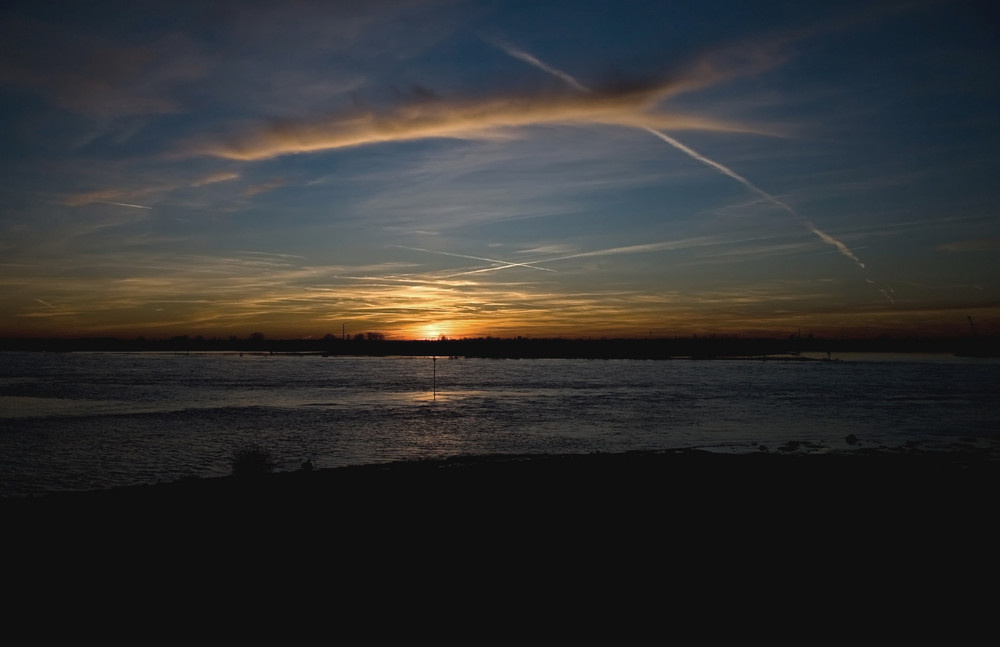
(104, 196)
(98, 77)
(214, 178)
(540, 264)
(426, 115)
(154, 185)
(657, 132)
(458, 119)
(264, 187)
(973, 245)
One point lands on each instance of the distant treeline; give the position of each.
(642, 348)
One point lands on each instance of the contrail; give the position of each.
(44, 303)
(631, 249)
(825, 237)
(125, 204)
(493, 269)
(610, 251)
(503, 264)
(531, 60)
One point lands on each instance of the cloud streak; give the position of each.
(215, 178)
(426, 115)
(646, 248)
(531, 60)
(501, 265)
(125, 204)
(825, 237)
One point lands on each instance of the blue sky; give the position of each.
(499, 168)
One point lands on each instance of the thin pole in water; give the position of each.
(435, 377)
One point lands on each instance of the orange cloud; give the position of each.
(622, 104)
(215, 177)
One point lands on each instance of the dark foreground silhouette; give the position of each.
(635, 491)
(825, 544)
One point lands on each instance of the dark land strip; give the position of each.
(632, 488)
(708, 347)
(831, 541)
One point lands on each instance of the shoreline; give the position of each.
(706, 347)
(686, 519)
(642, 476)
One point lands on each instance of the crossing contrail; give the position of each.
(502, 265)
(630, 249)
(825, 237)
(610, 251)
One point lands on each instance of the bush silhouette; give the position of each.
(252, 460)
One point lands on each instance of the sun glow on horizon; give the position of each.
(435, 330)
(536, 190)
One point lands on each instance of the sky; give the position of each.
(499, 168)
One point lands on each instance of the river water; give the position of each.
(80, 421)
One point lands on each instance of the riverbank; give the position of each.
(824, 535)
(708, 347)
(627, 488)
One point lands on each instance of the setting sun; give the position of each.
(433, 331)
